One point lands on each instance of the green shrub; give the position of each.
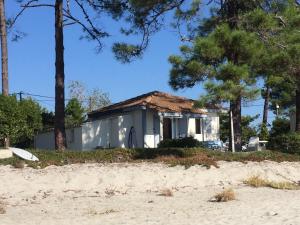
(280, 126)
(187, 142)
(264, 133)
(288, 143)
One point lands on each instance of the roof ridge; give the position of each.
(127, 100)
(170, 95)
(154, 98)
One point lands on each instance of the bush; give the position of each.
(187, 142)
(224, 196)
(257, 181)
(288, 143)
(264, 133)
(19, 120)
(280, 126)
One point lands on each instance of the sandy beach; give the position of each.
(131, 194)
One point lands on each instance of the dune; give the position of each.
(147, 193)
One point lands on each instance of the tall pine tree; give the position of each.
(224, 61)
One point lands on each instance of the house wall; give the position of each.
(95, 134)
(211, 128)
(46, 140)
(74, 138)
(149, 134)
(113, 132)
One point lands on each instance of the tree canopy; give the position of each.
(19, 120)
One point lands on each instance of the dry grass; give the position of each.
(224, 196)
(110, 192)
(93, 212)
(20, 164)
(171, 156)
(199, 159)
(257, 181)
(166, 192)
(2, 208)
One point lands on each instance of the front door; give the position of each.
(167, 128)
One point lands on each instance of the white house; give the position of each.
(140, 122)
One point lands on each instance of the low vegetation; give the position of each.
(224, 196)
(19, 164)
(166, 192)
(171, 156)
(110, 192)
(257, 181)
(187, 142)
(94, 212)
(2, 208)
(287, 142)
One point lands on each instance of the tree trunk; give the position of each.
(230, 7)
(231, 12)
(297, 126)
(59, 121)
(236, 108)
(266, 106)
(4, 57)
(231, 131)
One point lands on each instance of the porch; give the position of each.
(162, 126)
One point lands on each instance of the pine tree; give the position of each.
(282, 65)
(224, 61)
(74, 113)
(4, 57)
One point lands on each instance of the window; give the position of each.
(198, 125)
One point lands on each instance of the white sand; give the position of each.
(129, 194)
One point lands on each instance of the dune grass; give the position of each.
(166, 192)
(170, 156)
(2, 208)
(257, 181)
(224, 196)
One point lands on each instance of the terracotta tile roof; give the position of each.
(159, 101)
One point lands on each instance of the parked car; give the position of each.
(215, 145)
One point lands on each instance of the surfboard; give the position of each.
(24, 154)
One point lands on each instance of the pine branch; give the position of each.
(24, 7)
(95, 34)
(95, 30)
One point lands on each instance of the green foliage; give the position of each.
(11, 118)
(126, 52)
(264, 132)
(278, 27)
(287, 143)
(187, 142)
(170, 156)
(247, 130)
(279, 133)
(31, 112)
(19, 120)
(144, 18)
(74, 113)
(210, 58)
(280, 126)
(47, 119)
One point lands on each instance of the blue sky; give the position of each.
(31, 61)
